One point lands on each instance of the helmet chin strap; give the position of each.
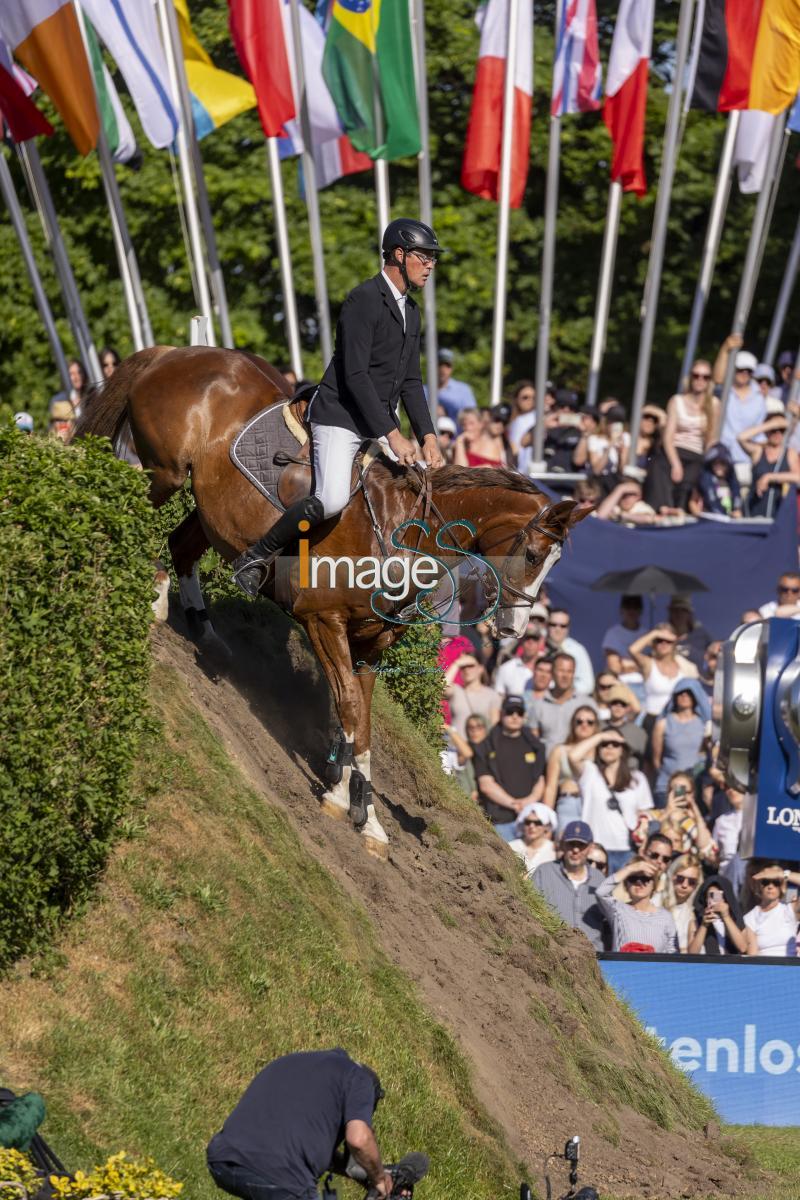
(411, 287)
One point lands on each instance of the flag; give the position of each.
(577, 74)
(17, 111)
(480, 167)
(724, 58)
(117, 127)
(45, 37)
(751, 149)
(776, 63)
(369, 69)
(626, 92)
(129, 31)
(217, 96)
(262, 35)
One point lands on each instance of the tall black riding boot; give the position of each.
(250, 568)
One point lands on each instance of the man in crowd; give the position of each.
(509, 768)
(787, 603)
(693, 637)
(618, 639)
(558, 639)
(516, 673)
(447, 431)
(282, 1135)
(550, 715)
(454, 395)
(563, 432)
(569, 886)
(541, 679)
(623, 708)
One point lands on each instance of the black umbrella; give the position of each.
(648, 581)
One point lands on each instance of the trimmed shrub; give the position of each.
(76, 585)
(412, 676)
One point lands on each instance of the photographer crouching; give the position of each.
(284, 1132)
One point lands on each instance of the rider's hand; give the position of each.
(431, 452)
(402, 447)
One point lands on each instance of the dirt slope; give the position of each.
(552, 1053)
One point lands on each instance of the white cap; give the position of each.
(775, 407)
(745, 361)
(765, 371)
(446, 425)
(24, 421)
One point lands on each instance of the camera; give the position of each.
(571, 1154)
(757, 690)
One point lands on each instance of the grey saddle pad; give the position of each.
(253, 450)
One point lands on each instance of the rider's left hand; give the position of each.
(431, 452)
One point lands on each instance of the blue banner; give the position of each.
(731, 1025)
(777, 807)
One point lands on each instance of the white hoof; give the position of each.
(336, 801)
(376, 841)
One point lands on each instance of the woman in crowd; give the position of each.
(771, 927)
(683, 823)
(684, 876)
(78, 384)
(471, 697)
(680, 736)
(649, 440)
(463, 752)
(661, 670)
(476, 445)
(637, 923)
(774, 464)
(603, 684)
(109, 361)
(598, 858)
(561, 789)
(523, 419)
(534, 836)
(692, 420)
(613, 796)
(719, 927)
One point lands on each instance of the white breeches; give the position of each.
(334, 451)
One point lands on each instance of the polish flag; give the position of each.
(626, 92)
(480, 169)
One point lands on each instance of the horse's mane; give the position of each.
(456, 479)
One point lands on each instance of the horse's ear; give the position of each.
(565, 514)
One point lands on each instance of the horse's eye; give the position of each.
(531, 556)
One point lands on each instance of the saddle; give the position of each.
(273, 451)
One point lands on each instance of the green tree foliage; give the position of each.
(77, 583)
(236, 173)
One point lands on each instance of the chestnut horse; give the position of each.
(186, 405)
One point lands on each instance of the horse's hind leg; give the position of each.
(187, 545)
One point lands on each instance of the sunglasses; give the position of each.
(603, 687)
(585, 721)
(769, 882)
(574, 845)
(664, 641)
(653, 856)
(640, 880)
(686, 879)
(558, 624)
(784, 587)
(513, 712)
(618, 704)
(701, 374)
(605, 745)
(600, 863)
(532, 821)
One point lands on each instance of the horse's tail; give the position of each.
(106, 404)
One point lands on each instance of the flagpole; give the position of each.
(135, 302)
(607, 263)
(215, 275)
(660, 218)
(784, 296)
(548, 265)
(504, 206)
(284, 257)
(716, 222)
(755, 247)
(185, 167)
(42, 198)
(40, 296)
(382, 195)
(425, 197)
(312, 195)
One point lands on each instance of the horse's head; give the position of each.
(523, 547)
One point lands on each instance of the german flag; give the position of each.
(727, 50)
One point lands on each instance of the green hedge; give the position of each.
(76, 585)
(411, 674)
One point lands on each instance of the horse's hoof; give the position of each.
(374, 836)
(375, 848)
(211, 644)
(333, 808)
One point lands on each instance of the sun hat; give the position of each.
(61, 410)
(446, 425)
(24, 421)
(745, 361)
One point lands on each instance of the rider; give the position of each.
(375, 365)
(283, 1134)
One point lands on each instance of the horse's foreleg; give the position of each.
(187, 545)
(352, 794)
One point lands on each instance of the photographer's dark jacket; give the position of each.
(375, 366)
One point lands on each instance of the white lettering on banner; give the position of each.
(724, 1055)
(788, 817)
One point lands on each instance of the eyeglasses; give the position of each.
(686, 879)
(600, 863)
(590, 721)
(532, 821)
(653, 856)
(785, 587)
(427, 260)
(701, 374)
(639, 880)
(558, 624)
(769, 882)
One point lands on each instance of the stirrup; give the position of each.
(252, 575)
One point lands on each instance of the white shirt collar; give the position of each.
(399, 296)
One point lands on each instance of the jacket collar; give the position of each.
(386, 292)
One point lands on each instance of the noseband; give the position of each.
(533, 526)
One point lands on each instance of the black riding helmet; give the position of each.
(409, 235)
